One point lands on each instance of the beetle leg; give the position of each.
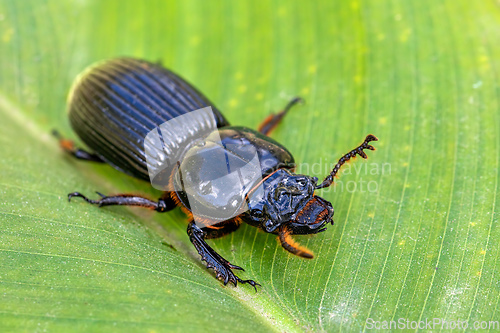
(274, 119)
(356, 151)
(221, 266)
(291, 246)
(227, 228)
(69, 147)
(164, 204)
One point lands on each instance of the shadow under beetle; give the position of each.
(115, 103)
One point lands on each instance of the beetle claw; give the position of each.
(222, 267)
(79, 195)
(250, 282)
(235, 267)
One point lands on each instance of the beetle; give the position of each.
(114, 104)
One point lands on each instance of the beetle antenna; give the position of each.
(356, 151)
(285, 238)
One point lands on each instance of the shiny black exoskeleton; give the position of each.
(115, 104)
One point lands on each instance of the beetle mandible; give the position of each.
(115, 103)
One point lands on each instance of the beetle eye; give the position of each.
(257, 213)
(288, 190)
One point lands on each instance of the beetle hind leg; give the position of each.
(221, 266)
(69, 147)
(274, 119)
(164, 204)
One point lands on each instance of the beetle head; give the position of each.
(286, 199)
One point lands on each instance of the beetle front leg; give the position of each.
(164, 204)
(221, 266)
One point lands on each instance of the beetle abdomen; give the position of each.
(113, 106)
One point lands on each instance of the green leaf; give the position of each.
(416, 225)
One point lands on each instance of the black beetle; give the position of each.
(115, 103)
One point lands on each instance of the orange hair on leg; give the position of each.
(291, 246)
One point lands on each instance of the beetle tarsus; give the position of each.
(221, 266)
(250, 282)
(295, 100)
(162, 205)
(79, 195)
(356, 151)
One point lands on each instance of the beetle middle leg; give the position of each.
(274, 119)
(222, 267)
(69, 147)
(164, 204)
